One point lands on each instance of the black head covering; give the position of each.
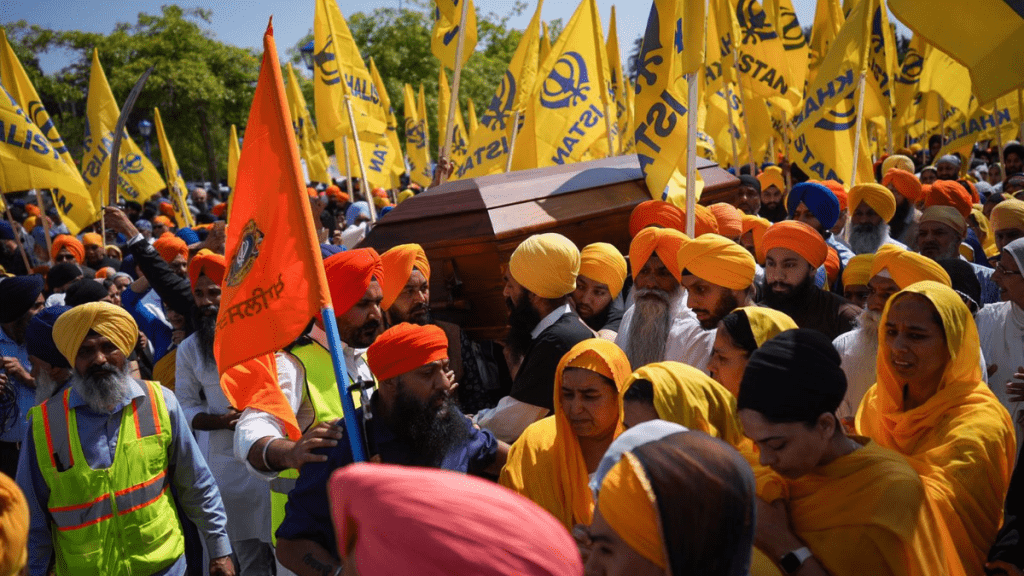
(17, 295)
(965, 281)
(794, 377)
(39, 336)
(748, 180)
(84, 291)
(62, 273)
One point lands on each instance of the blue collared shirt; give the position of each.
(195, 489)
(15, 428)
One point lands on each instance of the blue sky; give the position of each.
(241, 22)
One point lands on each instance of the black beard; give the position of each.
(420, 314)
(791, 300)
(431, 432)
(727, 304)
(522, 319)
(899, 219)
(776, 214)
(206, 330)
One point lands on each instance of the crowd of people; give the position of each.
(823, 379)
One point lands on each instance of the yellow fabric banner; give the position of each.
(981, 125)
(176, 189)
(616, 80)
(137, 178)
(416, 142)
(397, 165)
(233, 153)
(459, 143)
(472, 122)
(828, 20)
(444, 39)
(310, 148)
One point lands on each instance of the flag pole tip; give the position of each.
(270, 26)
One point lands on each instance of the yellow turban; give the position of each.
(729, 219)
(906, 267)
(898, 161)
(398, 263)
(718, 260)
(757, 226)
(1007, 214)
(858, 270)
(604, 263)
(14, 521)
(628, 504)
(101, 317)
(945, 215)
(380, 202)
(767, 323)
(664, 242)
(405, 195)
(546, 264)
(878, 197)
(772, 176)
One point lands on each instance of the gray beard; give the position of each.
(867, 241)
(103, 391)
(650, 325)
(867, 328)
(45, 386)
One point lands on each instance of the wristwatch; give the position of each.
(792, 562)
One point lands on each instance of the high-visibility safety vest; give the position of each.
(118, 521)
(324, 396)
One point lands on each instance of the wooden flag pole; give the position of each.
(46, 222)
(608, 129)
(691, 155)
(856, 135)
(359, 158)
(888, 135)
(456, 78)
(512, 144)
(17, 238)
(999, 143)
(785, 145)
(348, 169)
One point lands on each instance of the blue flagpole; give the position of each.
(352, 430)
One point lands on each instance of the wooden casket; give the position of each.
(469, 228)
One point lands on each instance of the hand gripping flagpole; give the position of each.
(352, 429)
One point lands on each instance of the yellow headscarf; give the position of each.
(14, 522)
(858, 270)
(628, 504)
(405, 195)
(988, 244)
(767, 323)
(1008, 214)
(546, 264)
(906, 267)
(603, 263)
(897, 161)
(546, 464)
(718, 260)
(961, 441)
(101, 317)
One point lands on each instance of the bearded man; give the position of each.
(21, 298)
(874, 206)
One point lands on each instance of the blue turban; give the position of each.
(386, 209)
(188, 235)
(18, 295)
(128, 265)
(6, 232)
(144, 225)
(330, 250)
(355, 210)
(821, 201)
(39, 336)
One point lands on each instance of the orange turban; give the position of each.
(163, 220)
(166, 209)
(945, 215)
(704, 221)
(170, 247)
(92, 239)
(398, 263)
(661, 241)
(333, 191)
(949, 193)
(718, 260)
(349, 275)
(404, 348)
(32, 210)
(840, 193)
(219, 209)
(71, 243)
(831, 265)
(799, 238)
(904, 182)
(878, 197)
(604, 263)
(656, 212)
(906, 267)
(971, 189)
(728, 219)
(757, 226)
(858, 270)
(208, 264)
(311, 192)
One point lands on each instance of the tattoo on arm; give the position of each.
(324, 569)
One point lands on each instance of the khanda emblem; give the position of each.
(651, 43)
(131, 163)
(792, 35)
(842, 117)
(321, 60)
(877, 39)
(245, 255)
(913, 63)
(37, 113)
(500, 107)
(414, 133)
(567, 82)
(754, 22)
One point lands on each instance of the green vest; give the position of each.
(119, 520)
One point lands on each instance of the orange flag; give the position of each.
(275, 282)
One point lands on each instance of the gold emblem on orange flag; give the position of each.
(245, 256)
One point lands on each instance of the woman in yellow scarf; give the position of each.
(931, 405)
(740, 333)
(552, 460)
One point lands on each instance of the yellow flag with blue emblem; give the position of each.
(35, 165)
(783, 17)
(137, 178)
(1003, 114)
(987, 40)
(445, 37)
(566, 111)
(394, 147)
(908, 82)
(828, 20)
(661, 96)
(460, 142)
(176, 189)
(489, 147)
(416, 141)
(616, 80)
(338, 69)
(310, 148)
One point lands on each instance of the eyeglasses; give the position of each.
(1002, 270)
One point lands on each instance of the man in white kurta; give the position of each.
(1001, 328)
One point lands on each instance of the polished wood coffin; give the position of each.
(469, 228)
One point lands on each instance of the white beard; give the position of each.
(45, 386)
(650, 325)
(103, 392)
(862, 242)
(867, 329)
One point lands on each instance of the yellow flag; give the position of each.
(628, 137)
(908, 82)
(421, 109)
(721, 133)
(783, 18)
(138, 180)
(828, 20)
(310, 148)
(445, 37)
(339, 70)
(981, 125)
(661, 98)
(395, 148)
(945, 78)
(879, 100)
(616, 81)
(472, 122)
(176, 189)
(416, 142)
(233, 154)
(378, 157)
(32, 167)
(567, 106)
(460, 143)
(545, 45)
(489, 146)
(986, 40)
